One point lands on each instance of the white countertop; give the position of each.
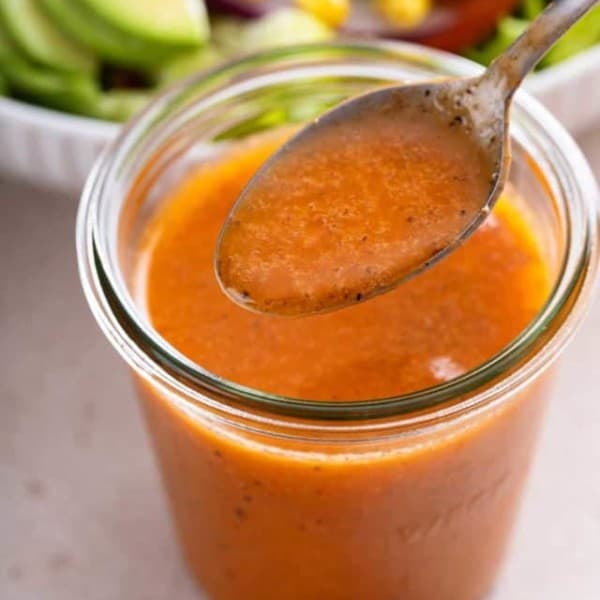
(82, 513)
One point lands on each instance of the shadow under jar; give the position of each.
(279, 498)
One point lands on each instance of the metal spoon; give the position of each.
(479, 106)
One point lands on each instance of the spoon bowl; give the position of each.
(295, 195)
(421, 166)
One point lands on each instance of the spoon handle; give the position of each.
(510, 68)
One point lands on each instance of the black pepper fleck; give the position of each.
(240, 513)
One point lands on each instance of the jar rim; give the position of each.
(156, 360)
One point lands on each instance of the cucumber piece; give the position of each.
(39, 39)
(109, 43)
(282, 27)
(171, 22)
(70, 92)
(189, 63)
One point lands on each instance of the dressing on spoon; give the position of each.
(378, 188)
(350, 210)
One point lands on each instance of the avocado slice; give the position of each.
(39, 39)
(182, 23)
(115, 46)
(77, 93)
(7, 47)
(7, 50)
(71, 92)
(68, 92)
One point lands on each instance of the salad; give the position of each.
(105, 58)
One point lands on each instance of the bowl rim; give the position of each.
(55, 121)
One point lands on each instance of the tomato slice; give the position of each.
(452, 25)
(462, 23)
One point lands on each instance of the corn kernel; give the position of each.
(331, 12)
(406, 13)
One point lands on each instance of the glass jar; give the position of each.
(284, 499)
